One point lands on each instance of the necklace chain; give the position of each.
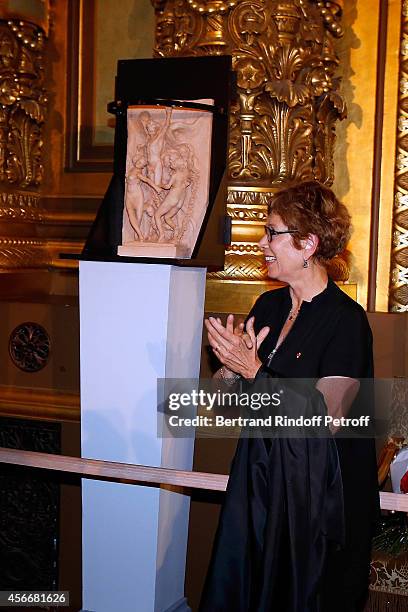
(293, 314)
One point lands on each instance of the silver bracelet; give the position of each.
(229, 380)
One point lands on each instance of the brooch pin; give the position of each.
(298, 355)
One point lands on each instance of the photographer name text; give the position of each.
(175, 420)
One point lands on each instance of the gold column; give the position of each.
(398, 301)
(282, 126)
(23, 106)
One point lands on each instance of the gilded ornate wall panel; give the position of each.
(288, 101)
(29, 231)
(23, 109)
(37, 220)
(399, 263)
(23, 103)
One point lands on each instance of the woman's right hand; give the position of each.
(234, 347)
(225, 373)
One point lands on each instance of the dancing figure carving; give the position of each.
(166, 195)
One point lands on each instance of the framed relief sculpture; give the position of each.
(167, 196)
(167, 179)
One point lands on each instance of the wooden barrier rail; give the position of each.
(97, 469)
(141, 474)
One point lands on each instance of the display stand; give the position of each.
(135, 537)
(141, 320)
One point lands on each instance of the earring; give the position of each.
(305, 263)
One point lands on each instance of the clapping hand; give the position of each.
(235, 348)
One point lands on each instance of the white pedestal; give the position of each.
(138, 322)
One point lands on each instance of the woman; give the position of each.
(135, 205)
(174, 199)
(308, 329)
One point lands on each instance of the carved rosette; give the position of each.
(29, 347)
(283, 121)
(398, 300)
(23, 103)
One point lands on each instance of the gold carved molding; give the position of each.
(282, 123)
(39, 404)
(23, 108)
(23, 103)
(398, 294)
(34, 229)
(20, 206)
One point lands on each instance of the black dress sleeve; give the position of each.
(349, 350)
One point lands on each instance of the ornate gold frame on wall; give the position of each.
(83, 154)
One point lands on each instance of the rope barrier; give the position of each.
(142, 474)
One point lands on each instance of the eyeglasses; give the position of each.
(271, 232)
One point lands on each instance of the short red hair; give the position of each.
(311, 208)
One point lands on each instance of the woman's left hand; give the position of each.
(235, 350)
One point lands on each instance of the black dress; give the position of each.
(275, 548)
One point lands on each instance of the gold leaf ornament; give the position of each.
(212, 6)
(286, 91)
(251, 73)
(9, 91)
(33, 109)
(8, 50)
(282, 122)
(246, 23)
